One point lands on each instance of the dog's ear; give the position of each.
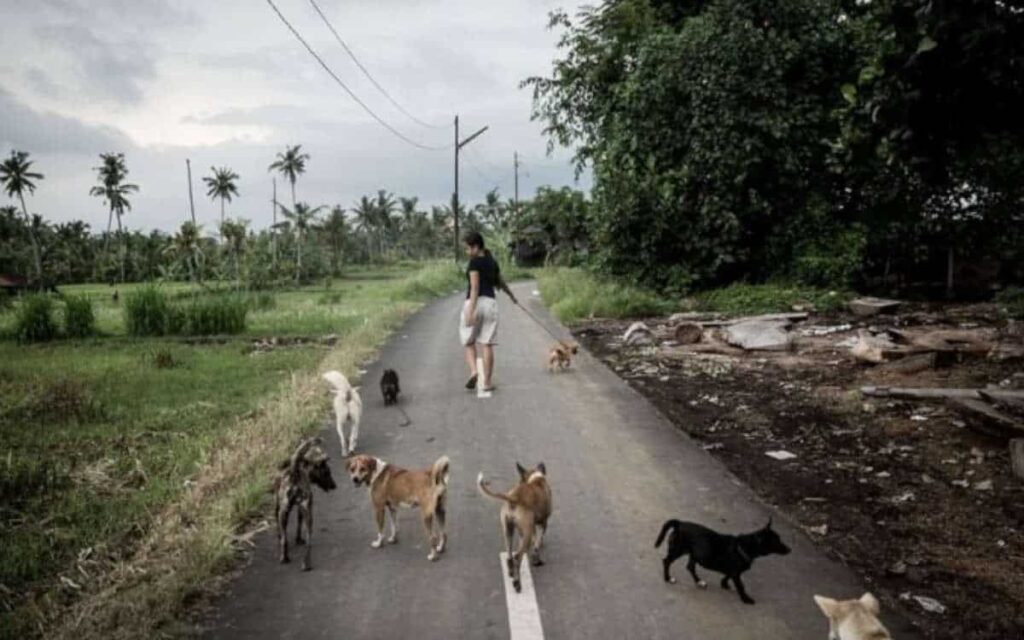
(521, 470)
(827, 605)
(542, 468)
(871, 603)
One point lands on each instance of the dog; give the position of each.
(853, 619)
(293, 487)
(391, 487)
(730, 555)
(348, 409)
(526, 509)
(560, 355)
(389, 386)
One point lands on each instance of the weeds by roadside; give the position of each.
(575, 294)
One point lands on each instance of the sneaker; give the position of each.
(471, 383)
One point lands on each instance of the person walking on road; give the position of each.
(478, 324)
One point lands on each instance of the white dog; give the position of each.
(348, 408)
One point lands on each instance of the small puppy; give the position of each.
(348, 409)
(731, 555)
(389, 386)
(526, 509)
(560, 355)
(391, 487)
(853, 619)
(294, 488)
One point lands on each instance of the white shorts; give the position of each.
(485, 329)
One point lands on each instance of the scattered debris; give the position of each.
(984, 485)
(688, 333)
(764, 335)
(931, 605)
(819, 330)
(821, 530)
(780, 455)
(1017, 457)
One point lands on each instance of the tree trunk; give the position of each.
(106, 241)
(949, 272)
(298, 256)
(38, 263)
(220, 231)
(120, 232)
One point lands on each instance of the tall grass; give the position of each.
(146, 311)
(215, 315)
(742, 298)
(79, 319)
(34, 321)
(436, 279)
(575, 294)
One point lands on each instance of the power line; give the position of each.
(333, 75)
(352, 55)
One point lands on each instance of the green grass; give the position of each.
(1011, 302)
(576, 294)
(744, 299)
(151, 452)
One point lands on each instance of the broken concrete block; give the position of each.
(689, 333)
(638, 333)
(768, 335)
(873, 306)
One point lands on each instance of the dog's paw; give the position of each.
(747, 600)
(376, 543)
(306, 567)
(517, 585)
(284, 560)
(432, 556)
(300, 541)
(442, 545)
(537, 562)
(702, 585)
(393, 540)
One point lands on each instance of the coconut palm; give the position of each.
(336, 231)
(221, 185)
(290, 164)
(17, 178)
(186, 247)
(387, 226)
(234, 233)
(365, 213)
(301, 217)
(111, 175)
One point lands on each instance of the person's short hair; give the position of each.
(474, 239)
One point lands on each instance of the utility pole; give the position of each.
(455, 196)
(191, 202)
(273, 231)
(515, 199)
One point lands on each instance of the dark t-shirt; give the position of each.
(489, 272)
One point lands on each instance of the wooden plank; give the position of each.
(990, 416)
(941, 393)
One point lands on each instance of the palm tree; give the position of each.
(111, 174)
(17, 178)
(235, 232)
(186, 247)
(336, 231)
(221, 185)
(302, 217)
(385, 221)
(366, 222)
(290, 164)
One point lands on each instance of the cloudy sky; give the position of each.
(224, 82)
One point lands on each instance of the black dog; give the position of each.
(389, 386)
(731, 555)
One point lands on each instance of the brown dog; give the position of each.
(853, 619)
(391, 487)
(293, 487)
(560, 355)
(526, 509)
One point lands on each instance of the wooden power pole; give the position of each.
(455, 196)
(515, 198)
(191, 202)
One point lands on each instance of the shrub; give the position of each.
(146, 312)
(575, 294)
(742, 298)
(163, 359)
(262, 301)
(1011, 301)
(79, 320)
(62, 400)
(330, 298)
(34, 321)
(215, 315)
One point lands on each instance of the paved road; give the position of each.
(618, 470)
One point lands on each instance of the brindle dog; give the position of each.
(294, 488)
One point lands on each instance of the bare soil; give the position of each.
(905, 493)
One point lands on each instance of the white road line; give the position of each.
(480, 393)
(523, 612)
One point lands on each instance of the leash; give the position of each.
(539, 323)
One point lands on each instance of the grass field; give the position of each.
(121, 455)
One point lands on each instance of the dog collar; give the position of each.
(381, 465)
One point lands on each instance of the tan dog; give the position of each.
(560, 355)
(853, 619)
(391, 487)
(526, 509)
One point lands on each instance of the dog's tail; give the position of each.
(300, 452)
(439, 474)
(670, 525)
(482, 485)
(338, 380)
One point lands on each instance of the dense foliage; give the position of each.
(818, 139)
